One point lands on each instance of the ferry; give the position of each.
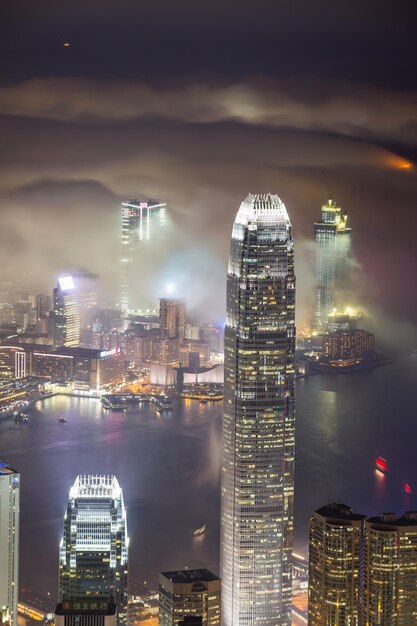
(203, 401)
(200, 531)
(163, 404)
(407, 488)
(381, 464)
(21, 418)
(62, 420)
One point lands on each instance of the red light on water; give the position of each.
(407, 488)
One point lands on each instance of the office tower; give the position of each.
(65, 315)
(74, 302)
(332, 244)
(335, 549)
(390, 576)
(257, 487)
(93, 554)
(191, 593)
(86, 612)
(9, 543)
(143, 225)
(43, 306)
(171, 319)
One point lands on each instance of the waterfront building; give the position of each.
(257, 483)
(93, 555)
(189, 593)
(344, 348)
(332, 246)
(9, 543)
(143, 222)
(335, 549)
(390, 579)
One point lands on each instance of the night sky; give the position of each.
(199, 103)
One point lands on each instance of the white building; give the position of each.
(9, 543)
(93, 556)
(257, 485)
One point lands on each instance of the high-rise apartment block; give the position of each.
(9, 543)
(332, 245)
(143, 222)
(189, 594)
(335, 550)
(362, 571)
(93, 552)
(257, 483)
(390, 570)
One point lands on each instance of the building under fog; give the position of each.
(74, 302)
(9, 543)
(257, 486)
(143, 225)
(332, 246)
(93, 554)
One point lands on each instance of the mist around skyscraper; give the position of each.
(208, 313)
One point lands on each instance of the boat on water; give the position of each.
(21, 418)
(381, 464)
(200, 531)
(163, 404)
(407, 488)
(203, 401)
(62, 420)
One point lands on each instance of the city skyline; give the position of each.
(208, 320)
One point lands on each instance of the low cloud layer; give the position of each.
(355, 111)
(73, 149)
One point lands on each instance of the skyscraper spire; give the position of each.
(258, 418)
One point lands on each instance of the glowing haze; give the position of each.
(199, 126)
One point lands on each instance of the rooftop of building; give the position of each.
(339, 512)
(390, 520)
(262, 208)
(190, 576)
(6, 469)
(95, 486)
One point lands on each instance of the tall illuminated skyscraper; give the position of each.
(142, 224)
(332, 244)
(9, 543)
(93, 554)
(257, 485)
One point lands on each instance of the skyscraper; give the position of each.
(171, 319)
(192, 593)
(74, 300)
(332, 244)
(335, 549)
(142, 223)
(258, 420)
(9, 543)
(93, 555)
(390, 576)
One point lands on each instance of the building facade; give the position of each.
(93, 555)
(191, 594)
(83, 612)
(9, 543)
(332, 246)
(257, 484)
(343, 348)
(143, 222)
(335, 549)
(390, 573)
